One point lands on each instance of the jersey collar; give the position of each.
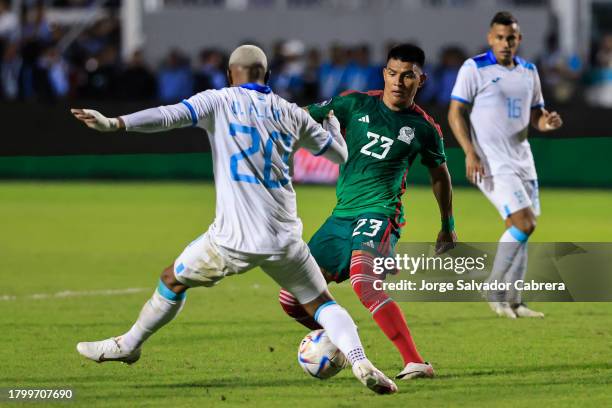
(265, 89)
(493, 60)
(407, 110)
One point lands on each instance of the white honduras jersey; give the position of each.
(501, 99)
(253, 133)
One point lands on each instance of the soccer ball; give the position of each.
(319, 357)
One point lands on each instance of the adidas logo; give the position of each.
(368, 244)
(364, 119)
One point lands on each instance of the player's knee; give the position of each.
(527, 225)
(530, 226)
(312, 306)
(294, 309)
(168, 278)
(523, 220)
(290, 305)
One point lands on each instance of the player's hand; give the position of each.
(332, 125)
(96, 120)
(550, 121)
(474, 170)
(446, 241)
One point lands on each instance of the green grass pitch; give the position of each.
(232, 345)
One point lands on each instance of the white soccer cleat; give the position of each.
(416, 370)
(503, 309)
(522, 310)
(373, 378)
(107, 350)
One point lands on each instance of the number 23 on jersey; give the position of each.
(377, 142)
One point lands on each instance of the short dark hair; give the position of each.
(504, 18)
(407, 53)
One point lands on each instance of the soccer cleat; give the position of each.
(107, 350)
(521, 310)
(503, 309)
(416, 370)
(373, 378)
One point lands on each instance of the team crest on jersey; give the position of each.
(406, 134)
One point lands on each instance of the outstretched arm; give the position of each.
(443, 191)
(146, 121)
(97, 121)
(457, 112)
(186, 113)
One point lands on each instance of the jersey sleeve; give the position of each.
(432, 148)
(202, 106)
(341, 105)
(538, 99)
(311, 135)
(466, 84)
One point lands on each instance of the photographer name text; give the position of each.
(467, 286)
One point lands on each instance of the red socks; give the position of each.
(385, 311)
(392, 322)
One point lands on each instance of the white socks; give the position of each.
(517, 271)
(510, 263)
(341, 330)
(163, 306)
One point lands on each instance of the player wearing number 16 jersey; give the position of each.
(385, 133)
(252, 134)
(502, 94)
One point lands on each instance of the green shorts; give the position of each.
(338, 237)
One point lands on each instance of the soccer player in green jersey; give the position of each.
(385, 132)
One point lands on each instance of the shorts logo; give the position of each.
(406, 134)
(369, 244)
(180, 268)
(519, 196)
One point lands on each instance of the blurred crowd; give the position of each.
(41, 61)
(47, 62)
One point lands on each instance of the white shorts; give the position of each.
(509, 193)
(203, 263)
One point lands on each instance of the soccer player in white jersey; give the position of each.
(503, 96)
(252, 133)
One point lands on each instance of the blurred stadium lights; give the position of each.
(68, 15)
(568, 39)
(349, 4)
(83, 19)
(573, 16)
(132, 34)
(78, 18)
(202, 23)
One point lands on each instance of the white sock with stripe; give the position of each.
(507, 256)
(517, 271)
(341, 330)
(163, 306)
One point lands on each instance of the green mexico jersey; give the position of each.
(382, 144)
